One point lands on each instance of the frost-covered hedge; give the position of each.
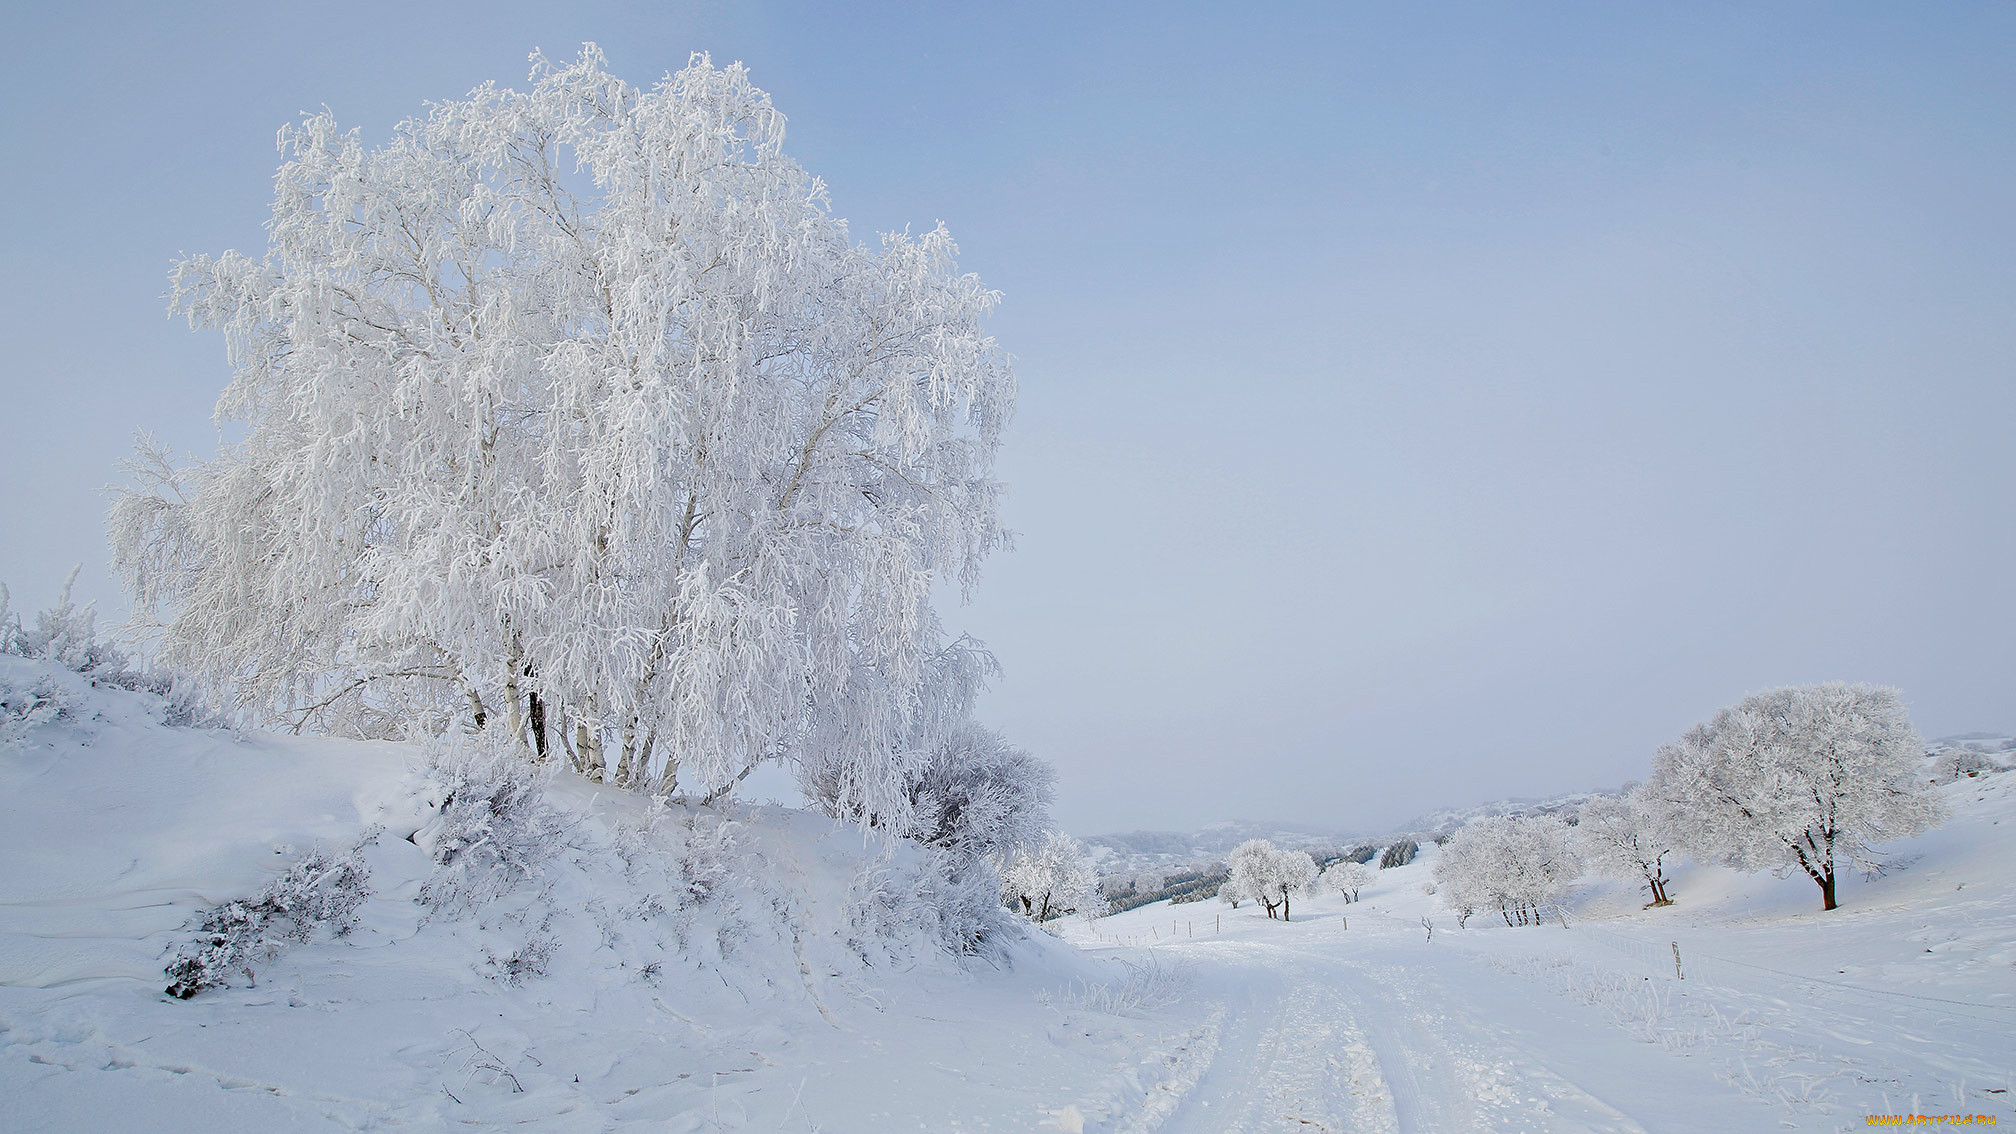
(1399, 854)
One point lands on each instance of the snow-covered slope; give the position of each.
(721, 969)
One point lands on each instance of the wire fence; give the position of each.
(1668, 958)
(1672, 959)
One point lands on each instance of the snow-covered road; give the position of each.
(1316, 1027)
(1377, 1028)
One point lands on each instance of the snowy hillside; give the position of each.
(714, 969)
(1134, 851)
(1446, 819)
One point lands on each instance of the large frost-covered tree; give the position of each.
(1798, 778)
(1516, 864)
(1628, 837)
(575, 412)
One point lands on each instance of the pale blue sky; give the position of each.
(1486, 391)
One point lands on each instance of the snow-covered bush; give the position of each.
(29, 698)
(317, 891)
(707, 858)
(1629, 837)
(978, 797)
(1797, 778)
(1270, 875)
(1050, 880)
(971, 801)
(527, 961)
(952, 902)
(67, 635)
(1232, 891)
(1347, 878)
(1399, 854)
(444, 509)
(492, 827)
(1516, 864)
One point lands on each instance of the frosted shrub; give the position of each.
(29, 699)
(972, 801)
(67, 635)
(317, 891)
(493, 828)
(1148, 985)
(528, 961)
(708, 861)
(951, 901)
(978, 796)
(10, 624)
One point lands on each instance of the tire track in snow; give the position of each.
(1291, 1056)
(1316, 1041)
(1478, 1077)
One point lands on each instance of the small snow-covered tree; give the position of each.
(1251, 874)
(1798, 778)
(1949, 766)
(1269, 874)
(1050, 880)
(575, 412)
(1516, 864)
(1629, 837)
(1347, 878)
